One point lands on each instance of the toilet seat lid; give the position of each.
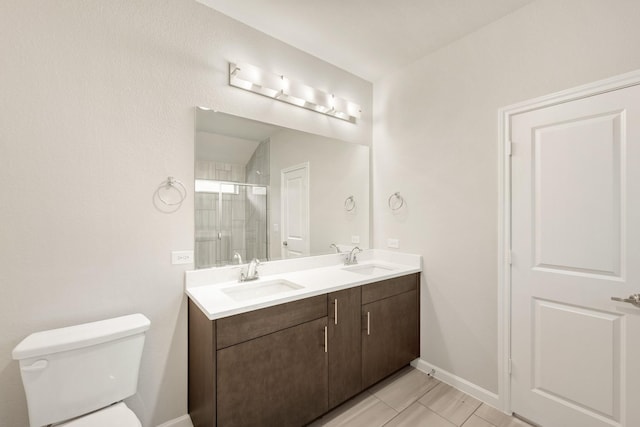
(115, 415)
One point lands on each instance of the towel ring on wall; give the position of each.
(171, 182)
(395, 201)
(349, 204)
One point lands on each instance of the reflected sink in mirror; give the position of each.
(252, 290)
(369, 269)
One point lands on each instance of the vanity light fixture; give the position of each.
(276, 86)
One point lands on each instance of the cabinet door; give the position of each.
(390, 336)
(345, 351)
(279, 379)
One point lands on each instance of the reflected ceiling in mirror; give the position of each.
(269, 192)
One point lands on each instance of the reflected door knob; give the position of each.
(285, 243)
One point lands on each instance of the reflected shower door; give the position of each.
(230, 218)
(206, 229)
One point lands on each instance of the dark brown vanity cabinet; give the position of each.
(276, 380)
(289, 364)
(263, 367)
(345, 353)
(391, 329)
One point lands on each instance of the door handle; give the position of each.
(335, 311)
(285, 243)
(633, 299)
(368, 323)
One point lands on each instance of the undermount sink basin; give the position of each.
(259, 289)
(368, 269)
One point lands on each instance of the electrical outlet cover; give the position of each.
(182, 257)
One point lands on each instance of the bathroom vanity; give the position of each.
(317, 337)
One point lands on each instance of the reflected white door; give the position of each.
(575, 244)
(295, 210)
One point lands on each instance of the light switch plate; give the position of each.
(182, 257)
(393, 243)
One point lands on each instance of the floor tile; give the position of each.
(450, 403)
(475, 421)
(417, 415)
(404, 388)
(497, 418)
(364, 410)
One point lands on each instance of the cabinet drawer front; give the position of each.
(276, 380)
(389, 288)
(246, 326)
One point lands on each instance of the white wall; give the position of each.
(435, 140)
(337, 171)
(97, 110)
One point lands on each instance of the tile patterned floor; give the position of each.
(411, 398)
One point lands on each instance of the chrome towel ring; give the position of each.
(349, 204)
(395, 201)
(172, 183)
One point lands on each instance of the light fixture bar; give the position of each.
(276, 86)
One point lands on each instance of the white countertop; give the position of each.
(316, 275)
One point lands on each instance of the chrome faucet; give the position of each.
(237, 258)
(252, 271)
(351, 257)
(333, 245)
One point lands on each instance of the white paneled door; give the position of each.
(575, 244)
(295, 211)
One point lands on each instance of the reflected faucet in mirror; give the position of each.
(333, 245)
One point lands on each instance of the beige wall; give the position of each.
(435, 140)
(97, 110)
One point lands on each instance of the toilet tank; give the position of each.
(71, 371)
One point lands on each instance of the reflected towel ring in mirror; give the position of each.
(395, 201)
(171, 182)
(349, 204)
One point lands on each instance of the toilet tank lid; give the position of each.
(78, 336)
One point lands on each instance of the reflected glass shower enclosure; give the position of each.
(230, 218)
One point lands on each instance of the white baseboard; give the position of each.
(461, 384)
(183, 421)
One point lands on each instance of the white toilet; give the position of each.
(78, 376)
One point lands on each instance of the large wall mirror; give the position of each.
(267, 192)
